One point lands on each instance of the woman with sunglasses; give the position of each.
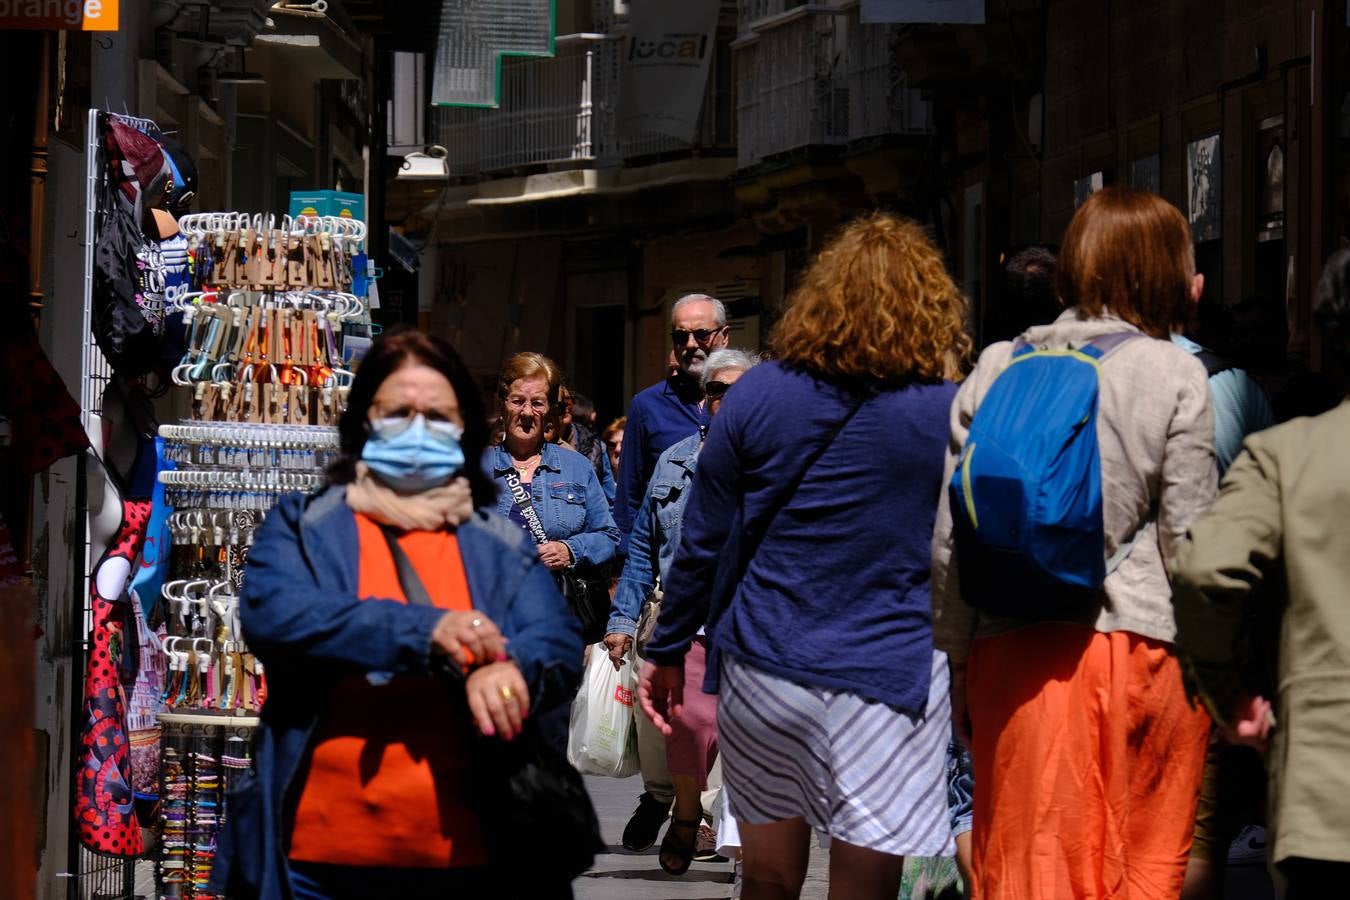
(691, 748)
(362, 600)
(548, 490)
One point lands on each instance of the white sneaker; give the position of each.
(1249, 847)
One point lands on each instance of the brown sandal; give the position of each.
(681, 849)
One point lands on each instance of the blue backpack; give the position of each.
(1026, 496)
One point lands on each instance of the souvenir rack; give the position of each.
(271, 300)
(202, 756)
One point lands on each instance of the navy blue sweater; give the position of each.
(837, 593)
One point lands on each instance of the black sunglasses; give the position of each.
(716, 389)
(702, 335)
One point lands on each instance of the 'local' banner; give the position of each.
(956, 12)
(666, 56)
(59, 15)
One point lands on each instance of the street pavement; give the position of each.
(622, 875)
(619, 874)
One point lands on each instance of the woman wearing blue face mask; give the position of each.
(355, 598)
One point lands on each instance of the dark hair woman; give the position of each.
(361, 761)
(1087, 754)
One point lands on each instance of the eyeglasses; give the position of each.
(701, 335)
(519, 403)
(716, 390)
(393, 426)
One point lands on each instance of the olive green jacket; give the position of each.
(1283, 515)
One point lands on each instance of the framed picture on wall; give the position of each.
(1203, 188)
(1146, 173)
(1086, 186)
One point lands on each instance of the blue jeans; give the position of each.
(317, 881)
(960, 787)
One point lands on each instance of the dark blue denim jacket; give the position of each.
(304, 620)
(656, 533)
(571, 504)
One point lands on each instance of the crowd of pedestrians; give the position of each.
(873, 589)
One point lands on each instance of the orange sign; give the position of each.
(59, 15)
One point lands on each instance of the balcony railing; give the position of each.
(815, 75)
(558, 112)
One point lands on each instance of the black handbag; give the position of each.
(524, 791)
(586, 590)
(588, 598)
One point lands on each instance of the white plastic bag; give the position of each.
(602, 739)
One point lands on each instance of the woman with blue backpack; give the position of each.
(1080, 452)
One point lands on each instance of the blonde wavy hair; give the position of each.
(876, 303)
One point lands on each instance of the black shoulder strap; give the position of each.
(408, 579)
(1214, 363)
(521, 497)
(416, 594)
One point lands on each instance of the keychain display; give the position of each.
(267, 253)
(264, 324)
(208, 666)
(270, 358)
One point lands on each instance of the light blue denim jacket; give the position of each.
(569, 499)
(656, 533)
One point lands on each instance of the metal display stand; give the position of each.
(92, 876)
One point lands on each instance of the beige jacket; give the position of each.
(1283, 514)
(1155, 430)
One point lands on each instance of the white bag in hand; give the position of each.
(602, 739)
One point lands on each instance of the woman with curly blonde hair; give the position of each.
(805, 551)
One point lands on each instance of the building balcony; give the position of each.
(560, 113)
(813, 75)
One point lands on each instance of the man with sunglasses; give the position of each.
(658, 418)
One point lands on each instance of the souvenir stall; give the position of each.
(172, 691)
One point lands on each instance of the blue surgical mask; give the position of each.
(412, 455)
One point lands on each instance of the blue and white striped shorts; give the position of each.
(857, 770)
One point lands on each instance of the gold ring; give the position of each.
(507, 693)
(476, 623)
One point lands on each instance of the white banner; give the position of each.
(954, 12)
(666, 55)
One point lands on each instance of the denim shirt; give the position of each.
(571, 504)
(658, 418)
(656, 533)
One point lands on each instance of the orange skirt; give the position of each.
(1087, 765)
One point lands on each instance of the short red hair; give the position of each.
(1128, 253)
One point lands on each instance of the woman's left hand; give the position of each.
(555, 555)
(498, 699)
(661, 693)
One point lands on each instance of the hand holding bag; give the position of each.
(525, 792)
(602, 737)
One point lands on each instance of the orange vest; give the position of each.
(385, 782)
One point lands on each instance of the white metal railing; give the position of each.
(556, 111)
(817, 77)
(547, 112)
(547, 115)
